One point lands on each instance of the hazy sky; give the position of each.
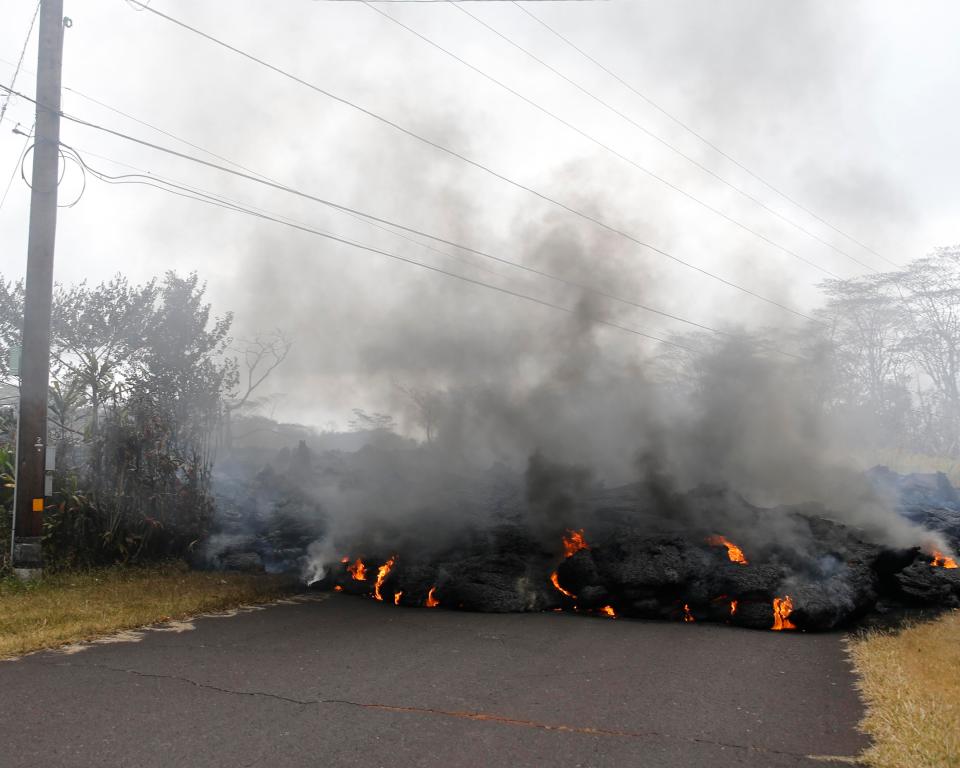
(849, 107)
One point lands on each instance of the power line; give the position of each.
(145, 174)
(148, 178)
(366, 216)
(23, 52)
(699, 136)
(453, 153)
(756, 201)
(203, 197)
(13, 173)
(370, 219)
(599, 143)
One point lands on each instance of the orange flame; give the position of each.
(358, 570)
(940, 560)
(338, 588)
(607, 610)
(782, 608)
(396, 597)
(733, 551)
(573, 542)
(733, 607)
(687, 616)
(344, 559)
(382, 572)
(432, 601)
(555, 580)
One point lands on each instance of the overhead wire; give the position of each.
(676, 150)
(145, 174)
(13, 173)
(23, 53)
(476, 164)
(606, 147)
(195, 195)
(9, 95)
(700, 136)
(260, 179)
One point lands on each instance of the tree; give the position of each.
(932, 293)
(862, 335)
(429, 404)
(139, 375)
(260, 356)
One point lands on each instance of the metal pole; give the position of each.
(35, 362)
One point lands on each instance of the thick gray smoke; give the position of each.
(522, 399)
(546, 428)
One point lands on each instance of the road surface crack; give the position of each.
(463, 715)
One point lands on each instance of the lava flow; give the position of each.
(432, 601)
(358, 570)
(382, 572)
(733, 551)
(555, 580)
(782, 608)
(573, 542)
(940, 560)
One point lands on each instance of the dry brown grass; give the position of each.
(911, 683)
(67, 607)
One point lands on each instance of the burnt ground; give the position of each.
(346, 681)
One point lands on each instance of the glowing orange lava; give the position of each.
(382, 572)
(573, 542)
(396, 597)
(782, 608)
(733, 551)
(733, 607)
(358, 570)
(432, 601)
(607, 610)
(555, 580)
(940, 560)
(687, 616)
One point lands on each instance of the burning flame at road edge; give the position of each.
(358, 571)
(782, 608)
(382, 572)
(555, 580)
(432, 601)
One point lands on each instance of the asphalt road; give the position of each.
(349, 682)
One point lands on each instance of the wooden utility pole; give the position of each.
(35, 359)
